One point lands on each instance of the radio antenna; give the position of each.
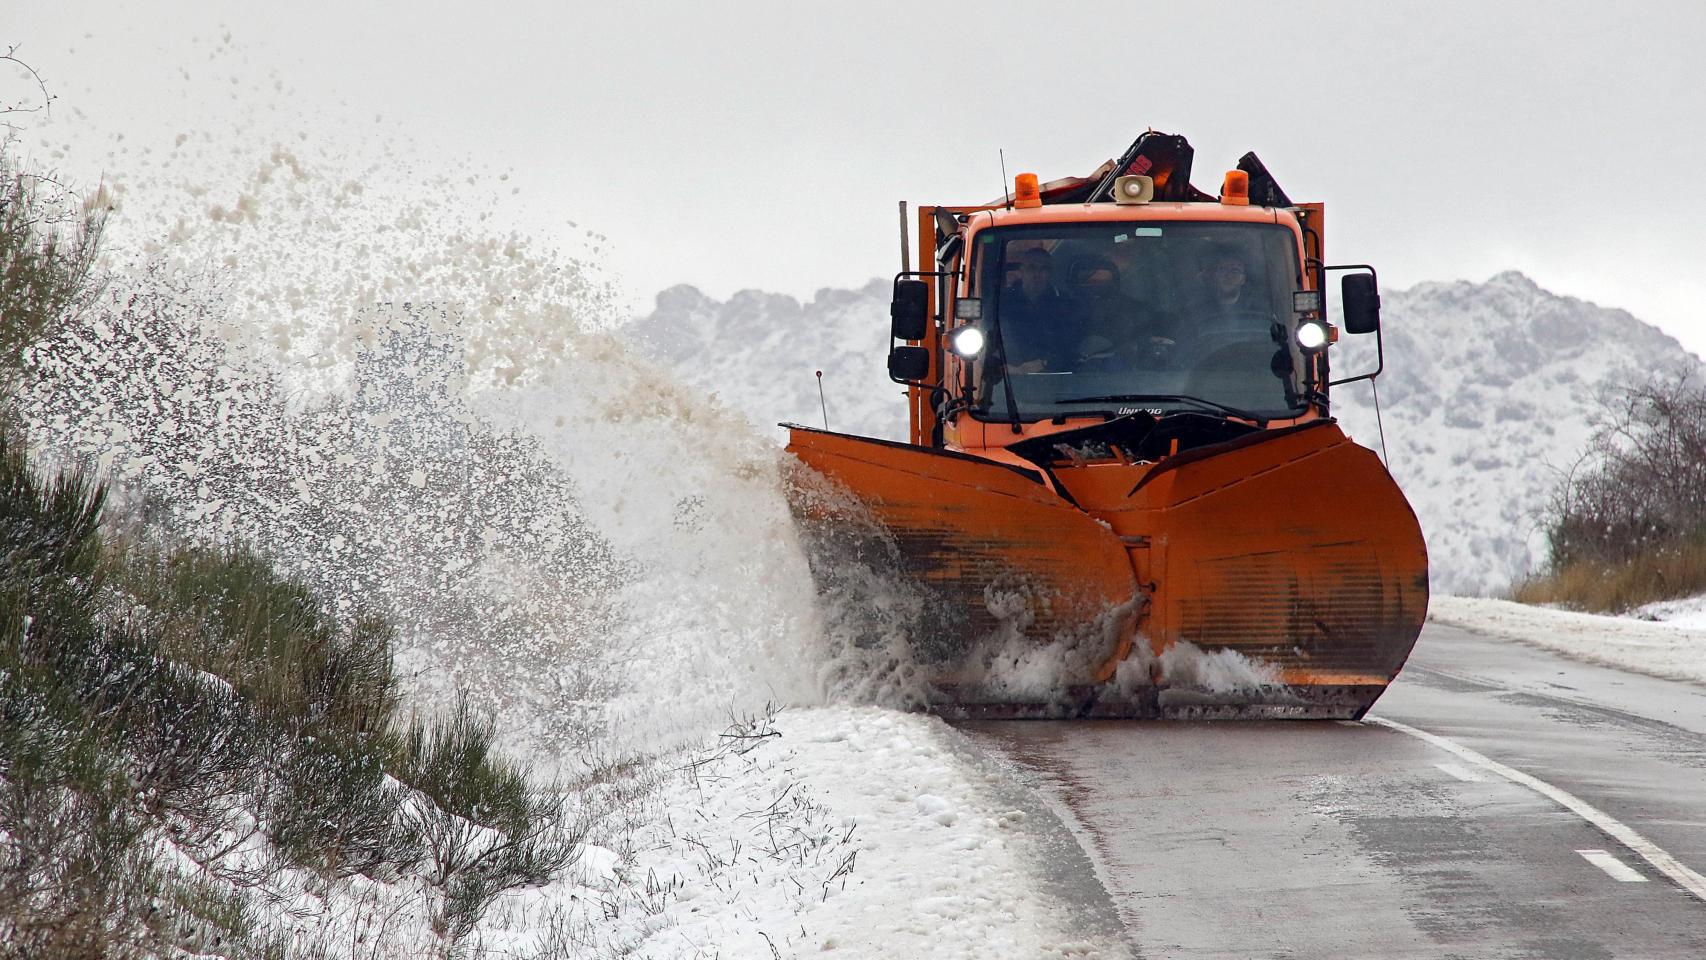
(821, 402)
(1004, 192)
(905, 247)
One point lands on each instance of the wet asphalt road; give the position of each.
(1354, 840)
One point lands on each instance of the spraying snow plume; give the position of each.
(420, 413)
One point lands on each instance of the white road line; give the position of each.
(1617, 869)
(1640, 846)
(1461, 772)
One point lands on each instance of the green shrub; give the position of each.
(228, 613)
(48, 243)
(183, 690)
(487, 829)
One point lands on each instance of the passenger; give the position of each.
(1039, 325)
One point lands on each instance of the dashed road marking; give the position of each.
(1461, 772)
(1617, 869)
(1640, 846)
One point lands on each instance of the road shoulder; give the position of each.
(1670, 651)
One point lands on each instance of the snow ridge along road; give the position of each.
(1676, 650)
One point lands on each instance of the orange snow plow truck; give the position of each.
(1125, 493)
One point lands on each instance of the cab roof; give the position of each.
(1127, 212)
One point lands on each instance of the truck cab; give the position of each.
(1041, 316)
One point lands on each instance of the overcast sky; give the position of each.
(734, 145)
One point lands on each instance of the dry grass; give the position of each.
(1664, 574)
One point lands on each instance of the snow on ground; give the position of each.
(848, 832)
(844, 832)
(1689, 612)
(1674, 648)
(949, 865)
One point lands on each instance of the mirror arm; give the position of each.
(1379, 358)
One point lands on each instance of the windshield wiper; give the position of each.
(1174, 397)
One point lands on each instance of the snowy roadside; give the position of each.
(1674, 648)
(848, 832)
(1689, 612)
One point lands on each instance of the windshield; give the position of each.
(1121, 317)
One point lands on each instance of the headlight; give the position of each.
(1311, 335)
(967, 341)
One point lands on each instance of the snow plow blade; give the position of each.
(1277, 573)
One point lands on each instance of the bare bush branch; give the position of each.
(1643, 487)
(40, 100)
(1628, 520)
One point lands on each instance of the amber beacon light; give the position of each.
(1025, 192)
(1235, 189)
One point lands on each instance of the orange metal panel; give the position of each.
(1292, 547)
(1298, 551)
(1002, 557)
(1314, 216)
(921, 419)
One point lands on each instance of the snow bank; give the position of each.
(846, 832)
(1689, 613)
(947, 864)
(1676, 650)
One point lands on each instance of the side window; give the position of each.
(986, 255)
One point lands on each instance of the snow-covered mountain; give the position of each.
(760, 352)
(1489, 393)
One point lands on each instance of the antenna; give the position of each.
(1004, 192)
(905, 249)
(821, 402)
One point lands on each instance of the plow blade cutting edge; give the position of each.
(1277, 574)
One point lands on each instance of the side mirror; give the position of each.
(1361, 308)
(907, 364)
(909, 311)
(1360, 300)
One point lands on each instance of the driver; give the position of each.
(1122, 331)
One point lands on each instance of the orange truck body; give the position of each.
(1145, 545)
